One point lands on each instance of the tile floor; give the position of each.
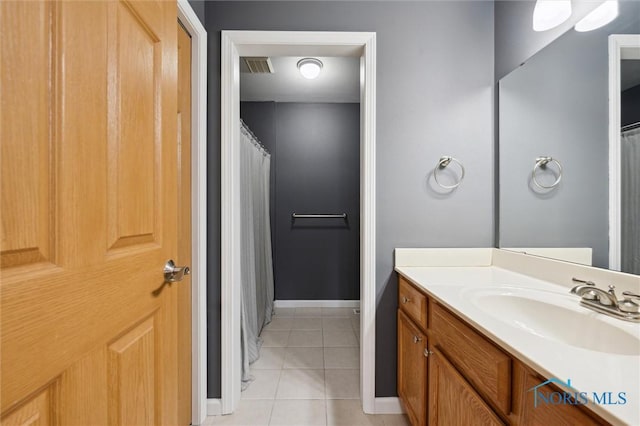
(308, 374)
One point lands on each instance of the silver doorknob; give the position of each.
(173, 273)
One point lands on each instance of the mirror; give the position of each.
(556, 195)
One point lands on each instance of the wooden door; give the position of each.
(412, 370)
(452, 400)
(184, 225)
(89, 212)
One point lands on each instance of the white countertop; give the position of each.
(589, 371)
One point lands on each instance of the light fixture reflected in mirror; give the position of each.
(310, 67)
(599, 17)
(549, 14)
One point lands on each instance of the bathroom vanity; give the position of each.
(491, 337)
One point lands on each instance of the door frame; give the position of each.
(621, 46)
(293, 43)
(198, 34)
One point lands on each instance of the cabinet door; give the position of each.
(543, 414)
(452, 400)
(412, 370)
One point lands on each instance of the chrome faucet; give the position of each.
(589, 291)
(607, 302)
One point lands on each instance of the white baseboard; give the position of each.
(316, 304)
(214, 407)
(389, 405)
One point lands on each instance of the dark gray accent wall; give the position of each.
(630, 106)
(318, 171)
(315, 168)
(198, 8)
(434, 97)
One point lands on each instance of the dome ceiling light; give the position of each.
(310, 67)
(549, 14)
(599, 17)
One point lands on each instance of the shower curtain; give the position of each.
(256, 262)
(630, 203)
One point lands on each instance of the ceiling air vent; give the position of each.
(259, 65)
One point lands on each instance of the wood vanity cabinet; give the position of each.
(450, 374)
(452, 400)
(412, 369)
(546, 414)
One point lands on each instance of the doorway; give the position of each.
(622, 48)
(261, 43)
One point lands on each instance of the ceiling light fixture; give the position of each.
(599, 17)
(310, 67)
(549, 14)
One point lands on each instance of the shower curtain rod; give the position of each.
(630, 126)
(255, 138)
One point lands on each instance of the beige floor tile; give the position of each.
(304, 358)
(308, 312)
(270, 359)
(348, 412)
(337, 312)
(264, 386)
(339, 358)
(342, 384)
(284, 312)
(307, 323)
(306, 339)
(249, 413)
(303, 412)
(337, 338)
(301, 384)
(274, 339)
(279, 324)
(395, 420)
(329, 323)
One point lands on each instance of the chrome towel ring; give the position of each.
(541, 163)
(443, 163)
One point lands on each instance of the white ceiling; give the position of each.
(339, 81)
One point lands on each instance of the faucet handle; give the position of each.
(578, 280)
(629, 295)
(612, 289)
(628, 305)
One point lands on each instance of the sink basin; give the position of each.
(556, 317)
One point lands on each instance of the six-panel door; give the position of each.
(89, 212)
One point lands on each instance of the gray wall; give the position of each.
(315, 167)
(198, 8)
(630, 106)
(434, 97)
(556, 104)
(318, 170)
